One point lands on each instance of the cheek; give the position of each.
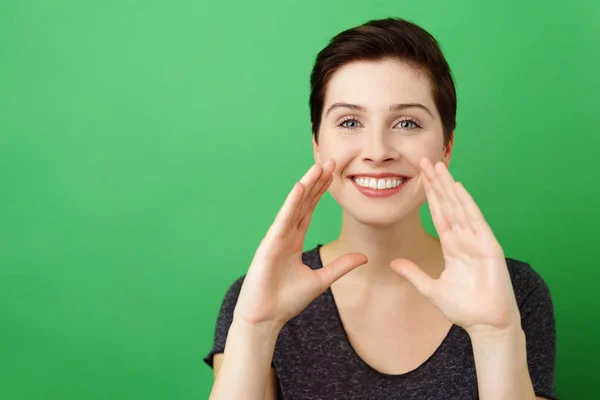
(341, 151)
(417, 150)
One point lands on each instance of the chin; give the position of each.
(379, 219)
(381, 216)
(381, 213)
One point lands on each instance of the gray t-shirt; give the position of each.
(314, 359)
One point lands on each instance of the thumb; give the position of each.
(415, 275)
(340, 267)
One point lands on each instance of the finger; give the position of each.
(324, 187)
(340, 267)
(309, 180)
(455, 206)
(305, 221)
(287, 215)
(415, 275)
(474, 213)
(442, 199)
(322, 184)
(437, 214)
(309, 196)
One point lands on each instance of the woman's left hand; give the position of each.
(474, 291)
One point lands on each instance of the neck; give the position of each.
(382, 245)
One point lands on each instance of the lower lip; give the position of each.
(373, 193)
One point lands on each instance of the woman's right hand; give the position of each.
(278, 285)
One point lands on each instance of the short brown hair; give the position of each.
(386, 38)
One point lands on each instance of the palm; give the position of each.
(475, 288)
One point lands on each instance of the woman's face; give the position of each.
(379, 121)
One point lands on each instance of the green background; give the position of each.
(146, 146)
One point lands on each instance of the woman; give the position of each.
(386, 311)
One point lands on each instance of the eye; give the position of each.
(409, 124)
(349, 123)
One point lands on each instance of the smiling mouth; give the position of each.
(379, 183)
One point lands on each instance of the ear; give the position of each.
(316, 150)
(447, 156)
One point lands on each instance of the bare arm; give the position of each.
(271, 392)
(501, 364)
(277, 287)
(246, 372)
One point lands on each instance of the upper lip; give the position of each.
(380, 175)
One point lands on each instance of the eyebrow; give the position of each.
(393, 107)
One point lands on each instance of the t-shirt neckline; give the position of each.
(340, 325)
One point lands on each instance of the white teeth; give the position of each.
(379, 184)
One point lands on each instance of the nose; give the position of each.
(378, 149)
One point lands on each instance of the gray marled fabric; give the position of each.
(314, 359)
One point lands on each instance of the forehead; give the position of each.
(377, 84)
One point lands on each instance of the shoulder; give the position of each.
(224, 320)
(523, 276)
(531, 290)
(233, 291)
(538, 323)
